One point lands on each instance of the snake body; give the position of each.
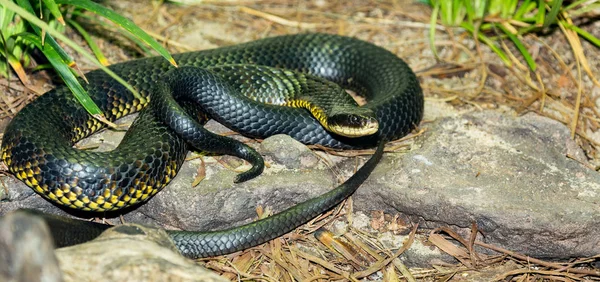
(38, 143)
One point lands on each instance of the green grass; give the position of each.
(493, 20)
(22, 29)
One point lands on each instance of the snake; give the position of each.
(38, 144)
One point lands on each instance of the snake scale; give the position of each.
(38, 147)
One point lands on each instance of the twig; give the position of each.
(537, 261)
(280, 20)
(379, 265)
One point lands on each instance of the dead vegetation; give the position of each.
(466, 76)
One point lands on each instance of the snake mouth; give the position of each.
(351, 125)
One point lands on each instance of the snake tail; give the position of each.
(37, 145)
(193, 244)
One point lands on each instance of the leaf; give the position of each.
(25, 4)
(91, 43)
(552, 15)
(53, 8)
(328, 239)
(530, 62)
(201, 173)
(16, 65)
(35, 21)
(64, 71)
(122, 22)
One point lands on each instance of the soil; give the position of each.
(466, 76)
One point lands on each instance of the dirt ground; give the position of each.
(466, 76)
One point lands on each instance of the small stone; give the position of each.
(287, 151)
(418, 255)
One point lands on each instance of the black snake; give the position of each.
(38, 144)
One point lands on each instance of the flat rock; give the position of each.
(510, 175)
(217, 202)
(130, 252)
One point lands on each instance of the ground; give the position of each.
(465, 78)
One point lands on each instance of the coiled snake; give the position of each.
(38, 144)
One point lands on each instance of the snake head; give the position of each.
(353, 124)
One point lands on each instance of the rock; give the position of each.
(510, 175)
(419, 254)
(26, 250)
(218, 203)
(285, 150)
(130, 253)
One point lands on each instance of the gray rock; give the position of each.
(130, 253)
(26, 250)
(217, 202)
(509, 175)
(285, 150)
(419, 254)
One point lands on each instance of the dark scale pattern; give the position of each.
(37, 144)
(207, 244)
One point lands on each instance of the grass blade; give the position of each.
(541, 14)
(53, 8)
(471, 14)
(91, 43)
(588, 36)
(585, 9)
(574, 4)
(144, 48)
(489, 42)
(6, 17)
(25, 4)
(432, 22)
(71, 81)
(35, 21)
(525, 7)
(552, 15)
(122, 22)
(64, 71)
(506, 9)
(530, 61)
(458, 13)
